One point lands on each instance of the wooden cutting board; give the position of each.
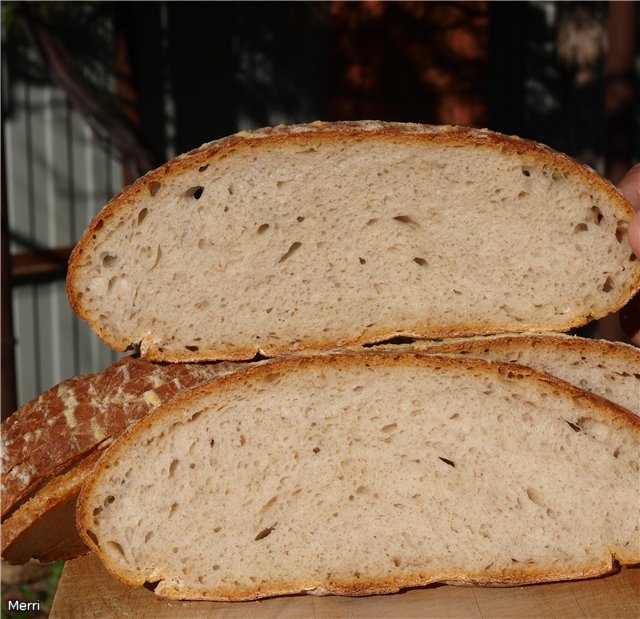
(87, 591)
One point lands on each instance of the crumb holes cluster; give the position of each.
(596, 215)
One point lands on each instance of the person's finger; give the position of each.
(630, 319)
(630, 186)
(630, 314)
(634, 234)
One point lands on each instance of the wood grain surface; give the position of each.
(87, 591)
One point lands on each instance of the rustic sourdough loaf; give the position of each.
(317, 236)
(44, 526)
(361, 474)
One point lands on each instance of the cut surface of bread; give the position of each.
(65, 424)
(317, 236)
(38, 529)
(360, 474)
(610, 369)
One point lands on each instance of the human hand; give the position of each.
(630, 314)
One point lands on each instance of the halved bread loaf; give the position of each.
(318, 236)
(365, 473)
(44, 526)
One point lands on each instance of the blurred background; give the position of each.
(94, 94)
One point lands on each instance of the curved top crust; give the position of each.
(396, 225)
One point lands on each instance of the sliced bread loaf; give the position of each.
(37, 529)
(317, 236)
(365, 473)
(610, 369)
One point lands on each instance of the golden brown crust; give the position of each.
(520, 575)
(43, 527)
(211, 152)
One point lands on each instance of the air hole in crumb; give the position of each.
(230, 190)
(522, 194)
(372, 221)
(117, 547)
(148, 536)
(215, 567)
(574, 427)
(158, 256)
(99, 224)
(108, 260)
(526, 172)
(217, 530)
(362, 261)
(389, 427)
(534, 496)
(264, 533)
(202, 168)
(616, 452)
(291, 250)
(262, 228)
(212, 442)
(194, 192)
(142, 214)
(396, 561)
(447, 461)
(154, 188)
(299, 219)
(109, 500)
(621, 231)
(316, 450)
(173, 466)
(596, 214)
(151, 585)
(192, 348)
(97, 511)
(608, 285)
(172, 509)
(405, 219)
(580, 228)
(421, 261)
